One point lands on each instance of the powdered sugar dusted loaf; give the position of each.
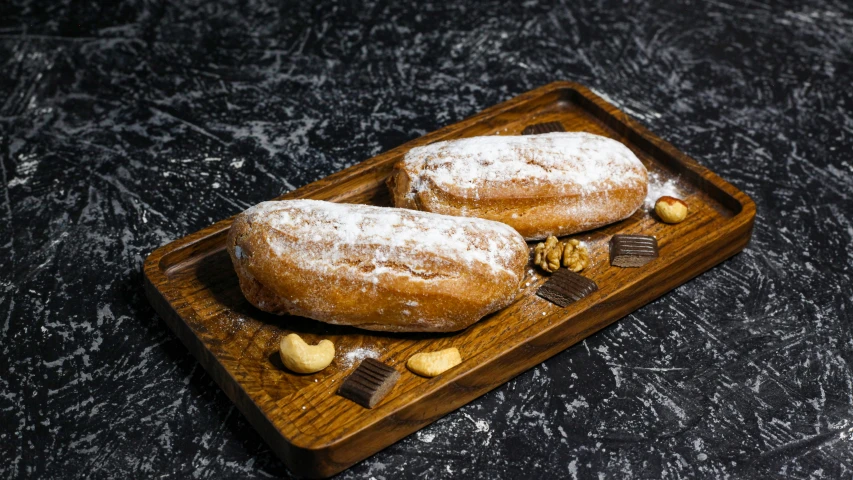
(551, 184)
(375, 268)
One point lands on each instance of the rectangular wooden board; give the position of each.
(192, 285)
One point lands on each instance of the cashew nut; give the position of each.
(434, 363)
(300, 357)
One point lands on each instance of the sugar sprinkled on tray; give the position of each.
(659, 187)
(357, 355)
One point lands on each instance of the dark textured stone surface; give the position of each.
(122, 128)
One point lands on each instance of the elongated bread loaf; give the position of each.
(541, 185)
(375, 268)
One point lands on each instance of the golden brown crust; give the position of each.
(296, 257)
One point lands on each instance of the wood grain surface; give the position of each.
(317, 433)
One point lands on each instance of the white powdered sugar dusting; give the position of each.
(576, 160)
(356, 355)
(658, 187)
(324, 235)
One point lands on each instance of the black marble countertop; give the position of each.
(125, 127)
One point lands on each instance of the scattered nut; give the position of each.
(434, 363)
(548, 254)
(575, 256)
(300, 357)
(671, 209)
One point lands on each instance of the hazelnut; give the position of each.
(671, 209)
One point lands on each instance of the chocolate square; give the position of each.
(369, 383)
(565, 287)
(539, 128)
(632, 250)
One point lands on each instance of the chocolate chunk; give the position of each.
(565, 287)
(632, 250)
(546, 127)
(369, 383)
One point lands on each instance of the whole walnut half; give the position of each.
(575, 256)
(551, 253)
(548, 254)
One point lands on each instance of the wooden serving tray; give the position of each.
(317, 433)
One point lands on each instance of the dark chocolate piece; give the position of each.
(369, 383)
(565, 287)
(632, 250)
(546, 127)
